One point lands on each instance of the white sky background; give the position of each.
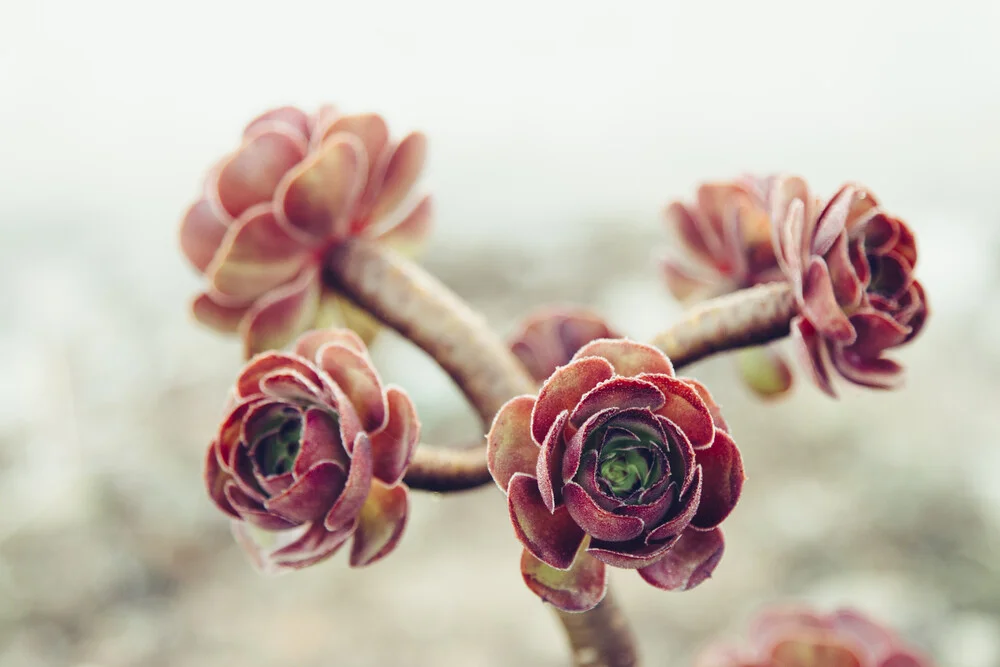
(541, 116)
(538, 113)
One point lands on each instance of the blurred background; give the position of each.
(558, 132)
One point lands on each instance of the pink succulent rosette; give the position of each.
(270, 212)
(550, 336)
(726, 239)
(793, 637)
(852, 268)
(311, 452)
(616, 461)
(725, 242)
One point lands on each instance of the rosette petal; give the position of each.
(577, 589)
(564, 389)
(256, 255)
(201, 233)
(627, 357)
(689, 562)
(282, 314)
(401, 172)
(308, 344)
(618, 392)
(311, 495)
(549, 467)
(251, 175)
(595, 520)
(393, 445)
(684, 407)
(356, 488)
(509, 446)
(380, 523)
(354, 374)
(552, 537)
(549, 337)
(317, 196)
(722, 466)
(216, 315)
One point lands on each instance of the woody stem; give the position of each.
(601, 637)
(405, 297)
(421, 308)
(745, 318)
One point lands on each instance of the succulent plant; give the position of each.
(726, 240)
(725, 245)
(271, 210)
(798, 637)
(311, 452)
(616, 461)
(851, 265)
(550, 336)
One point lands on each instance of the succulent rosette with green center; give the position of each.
(311, 453)
(615, 462)
(852, 267)
(725, 245)
(270, 212)
(799, 637)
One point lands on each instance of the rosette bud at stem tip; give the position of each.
(852, 268)
(312, 453)
(615, 462)
(297, 185)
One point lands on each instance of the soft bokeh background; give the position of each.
(558, 131)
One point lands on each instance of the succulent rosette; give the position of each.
(725, 243)
(726, 239)
(270, 211)
(550, 336)
(792, 637)
(312, 452)
(852, 268)
(615, 462)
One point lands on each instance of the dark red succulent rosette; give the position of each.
(852, 266)
(724, 238)
(615, 462)
(800, 637)
(550, 336)
(312, 452)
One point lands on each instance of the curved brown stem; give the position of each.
(601, 637)
(417, 305)
(405, 297)
(444, 469)
(745, 318)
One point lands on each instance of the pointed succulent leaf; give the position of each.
(723, 483)
(252, 173)
(380, 523)
(689, 562)
(564, 389)
(552, 537)
(394, 444)
(317, 197)
(509, 446)
(627, 357)
(278, 317)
